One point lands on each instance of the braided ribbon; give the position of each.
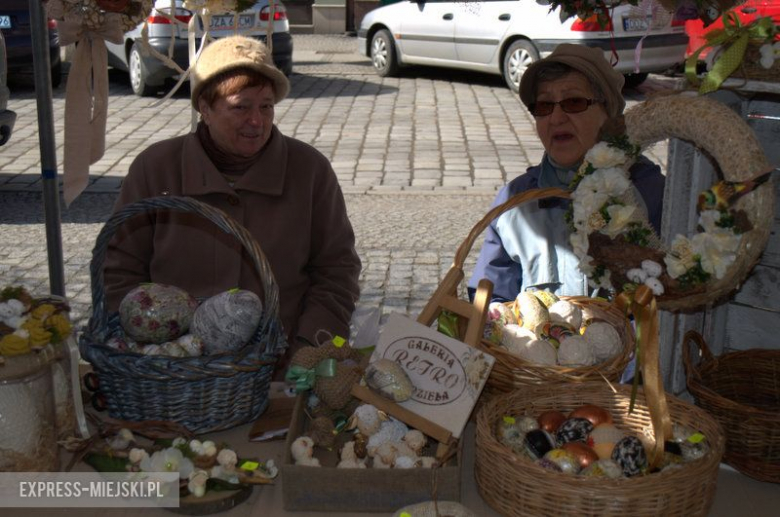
(304, 378)
(641, 303)
(733, 37)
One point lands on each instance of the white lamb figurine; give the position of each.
(390, 431)
(349, 459)
(367, 419)
(396, 454)
(415, 440)
(302, 450)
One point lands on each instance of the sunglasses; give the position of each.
(570, 105)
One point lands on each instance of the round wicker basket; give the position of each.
(514, 485)
(742, 391)
(203, 393)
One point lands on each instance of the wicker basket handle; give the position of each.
(694, 337)
(99, 319)
(516, 200)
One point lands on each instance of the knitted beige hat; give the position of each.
(588, 60)
(236, 52)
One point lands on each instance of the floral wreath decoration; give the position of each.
(617, 247)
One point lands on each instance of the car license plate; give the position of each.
(5, 21)
(225, 21)
(636, 23)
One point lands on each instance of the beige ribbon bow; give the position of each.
(86, 99)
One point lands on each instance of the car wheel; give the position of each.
(56, 75)
(634, 80)
(138, 74)
(518, 57)
(383, 54)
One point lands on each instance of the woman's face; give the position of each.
(568, 136)
(240, 124)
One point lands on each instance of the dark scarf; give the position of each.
(225, 163)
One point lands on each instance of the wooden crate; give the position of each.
(360, 490)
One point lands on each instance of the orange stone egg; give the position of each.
(603, 439)
(550, 421)
(595, 414)
(584, 454)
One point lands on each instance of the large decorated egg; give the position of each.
(389, 379)
(156, 313)
(573, 430)
(603, 339)
(566, 460)
(226, 321)
(630, 454)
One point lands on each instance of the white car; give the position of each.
(148, 74)
(504, 36)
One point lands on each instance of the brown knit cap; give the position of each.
(588, 60)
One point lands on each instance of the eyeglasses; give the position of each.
(570, 105)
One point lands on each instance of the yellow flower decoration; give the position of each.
(43, 311)
(59, 325)
(14, 344)
(38, 335)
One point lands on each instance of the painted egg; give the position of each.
(548, 465)
(532, 312)
(538, 443)
(555, 333)
(630, 454)
(20, 424)
(550, 421)
(603, 469)
(508, 433)
(567, 313)
(156, 313)
(692, 445)
(389, 379)
(568, 462)
(226, 321)
(603, 339)
(603, 439)
(595, 414)
(500, 313)
(584, 454)
(546, 297)
(573, 430)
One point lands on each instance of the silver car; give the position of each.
(149, 74)
(504, 36)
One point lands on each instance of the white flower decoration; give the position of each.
(168, 460)
(197, 482)
(227, 458)
(770, 52)
(196, 446)
(681, 257)
(209, 448)
(716, 250)
(179, 441)
(137, 455)
(620, 216)
(604, 155)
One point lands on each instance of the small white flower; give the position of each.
(197, 447)
(620, 216)
(709, 221)
(656, 285)
(652, 268)
(137, 455)
(179, 441)
(717, 251)
(636, 275)
(604, 155)
(197, 482)
(168, 460)
(209, 448)
(681, 257)
(227, 458)
(579, 243)
(770, 52)
(595, 222)
(586, 265)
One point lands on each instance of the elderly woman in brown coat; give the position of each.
(282, 190)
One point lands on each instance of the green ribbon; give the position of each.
(734, 38)
(448, 324)
(304, 378)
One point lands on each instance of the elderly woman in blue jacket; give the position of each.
(571, 94)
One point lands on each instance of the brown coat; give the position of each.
(290, 201)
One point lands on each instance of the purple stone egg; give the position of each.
(630, 454)
(573, 430)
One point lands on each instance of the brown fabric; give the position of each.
(588, 60)
(322, 432)
(334, 391)
(224, 162)
(289, 200)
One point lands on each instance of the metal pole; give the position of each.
(51, 197)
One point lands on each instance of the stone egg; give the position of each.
(226, 321)
(156, 313)
(387, 378)
(603, 439)
(595, 414)
(548, 465)
(573, 430)
(538, 443)
(603, 469)
(584, 454)
(630, 454)
(566, 460)
(550, 421)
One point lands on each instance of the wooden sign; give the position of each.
(447, 375)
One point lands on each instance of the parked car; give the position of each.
(148, 74)
(7, 117)
(505, 36)
(15, 26)
(746, 13)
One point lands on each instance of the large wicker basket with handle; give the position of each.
(204, 393)
(514, 485)
(510, 371)
(742, 391)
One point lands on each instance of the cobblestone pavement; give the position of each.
(419, 158)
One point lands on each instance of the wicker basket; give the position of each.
(742, 391)
(511, 371)
(514, 485)
(204, 393)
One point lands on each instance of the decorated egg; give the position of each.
(226, 321)
(538, 443)
(500, 313)
(523, 343)
(389, 379)
(508, 433)
(575, 351)
(550, 421)
(532, 312)
(584, 454)
(603, 340)
(603, 469)
(548, 465)
(630, 454)
(567, 313)
(573, 430)
(20, 423)
(603, 439)
(595, 414)
(568, 462)
(692, 445)
(546, 297)
(156, 313)
(555, 333)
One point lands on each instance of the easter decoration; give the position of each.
(36, 402)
